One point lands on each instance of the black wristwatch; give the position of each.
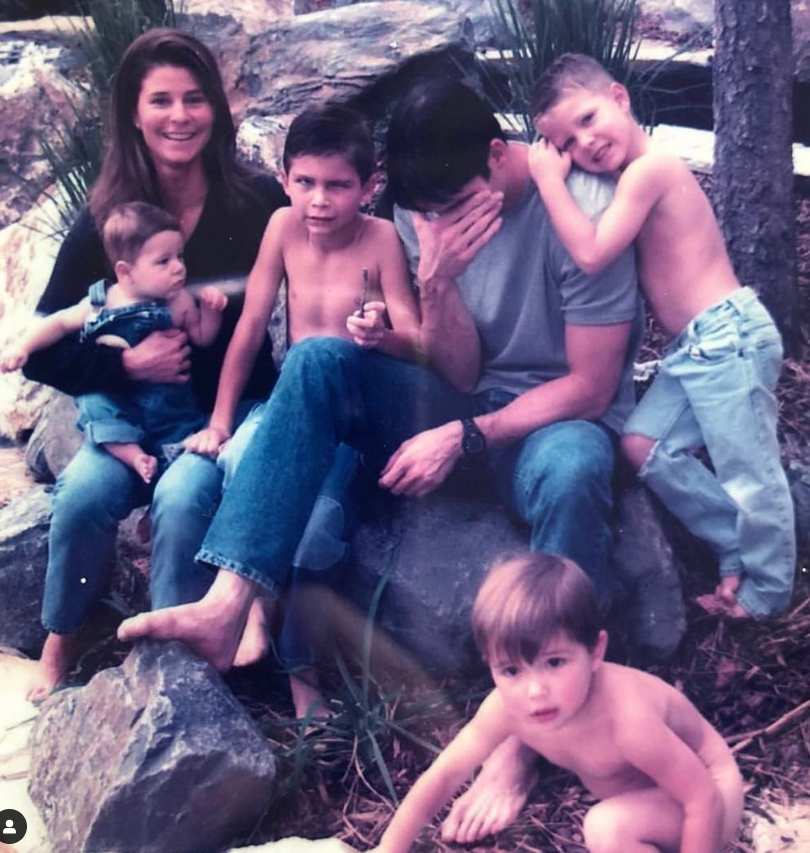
(473, 442)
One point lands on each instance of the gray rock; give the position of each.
(55, 439)
(153, 756)
(24, 527)
(645, 564)
(340, 53)
(434, 552)
(799, 479)
(684, 17)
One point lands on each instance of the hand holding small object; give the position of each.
(366, 325)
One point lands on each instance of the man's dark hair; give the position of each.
(438, 141)
(331, 128)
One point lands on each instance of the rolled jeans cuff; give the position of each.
(238, 568)
(113, 431)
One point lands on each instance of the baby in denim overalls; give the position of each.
(145, 247)
(715, 386)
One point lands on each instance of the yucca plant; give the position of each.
(532, 33)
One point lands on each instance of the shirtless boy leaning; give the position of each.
(715, 386)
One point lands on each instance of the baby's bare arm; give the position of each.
(454, 766)
(44, 332)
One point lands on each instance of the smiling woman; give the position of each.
(172, 144)
(174, 116)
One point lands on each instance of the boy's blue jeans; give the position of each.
(331, 392)
(715, 388)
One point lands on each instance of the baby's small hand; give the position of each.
(547, 161)
(213, 298)
(207, 442)
(367, 328)
(12, 359)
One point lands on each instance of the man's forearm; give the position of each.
(570, 397)
(448, 336)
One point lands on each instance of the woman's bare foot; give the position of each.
(58, 656)
(496, 796)
(307, 698)
(210, 627)
(255, 642)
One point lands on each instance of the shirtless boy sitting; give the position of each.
(715, 386)
(346, 274)
(666, 779)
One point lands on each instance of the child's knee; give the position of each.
(636, 449)
(605, 830)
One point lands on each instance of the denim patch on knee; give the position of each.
(322, 545)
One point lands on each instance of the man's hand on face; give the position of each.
(422, 463)
(449, 241)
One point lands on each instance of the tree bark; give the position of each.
(753, 161)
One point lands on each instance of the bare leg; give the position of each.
(255, 642)
(210, 627)
(496, 796)
(58, 656)
(305, 694)
(646, 821)
(135, 457)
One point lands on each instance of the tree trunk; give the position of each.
(753, 162)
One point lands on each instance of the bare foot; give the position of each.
(210, 627)
(255, 642)
(58, 656)
(496, 796)
(145, 466)
(727, 589)
(715, 605)
(307, 698)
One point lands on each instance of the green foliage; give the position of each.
(74, 149)
(532, 33)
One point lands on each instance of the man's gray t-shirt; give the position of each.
(522, 289)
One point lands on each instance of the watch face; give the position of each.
(474, 444)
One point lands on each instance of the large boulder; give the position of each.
(27, 253)
(55, 438)
(170, 761)
(341, 52)
(426, 559)
(35, 71)
(24, 527)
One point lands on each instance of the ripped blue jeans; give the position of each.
(715, 388)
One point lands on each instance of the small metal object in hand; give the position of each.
(363, 293)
